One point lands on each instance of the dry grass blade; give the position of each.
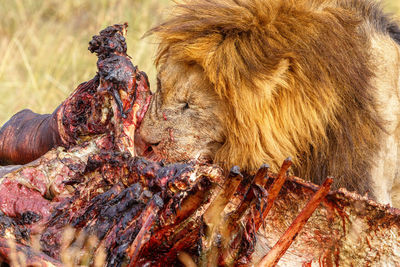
(214, 217)
(21, 255)
(186, 260)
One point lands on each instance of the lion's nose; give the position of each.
(147, 150)
(151, 147)
(143, 144)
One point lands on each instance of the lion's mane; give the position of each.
(295, 75)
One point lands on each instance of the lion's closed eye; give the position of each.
(185, 106)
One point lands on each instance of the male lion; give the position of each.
(246, 82)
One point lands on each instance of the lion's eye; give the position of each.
(186, 106)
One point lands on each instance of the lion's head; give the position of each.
(185, 118)
(254, 81)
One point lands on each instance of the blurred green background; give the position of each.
(43, 46)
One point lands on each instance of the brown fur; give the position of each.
(289, 77)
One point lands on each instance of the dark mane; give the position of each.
(384, 22)
(394, 31)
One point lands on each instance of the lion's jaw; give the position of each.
(184, 118)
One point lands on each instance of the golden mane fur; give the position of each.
(295, 75)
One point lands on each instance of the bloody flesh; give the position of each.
(119, 91)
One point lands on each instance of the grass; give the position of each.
(43, 46)
(77, 249)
